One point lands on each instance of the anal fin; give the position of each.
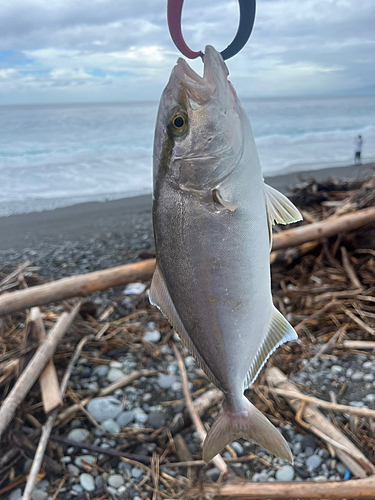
(159, 296)
(279, 331)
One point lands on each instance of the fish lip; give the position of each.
(215, 70)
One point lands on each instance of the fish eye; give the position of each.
(178, 122)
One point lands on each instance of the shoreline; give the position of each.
(88, 220)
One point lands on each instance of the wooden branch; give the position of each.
(349, 269)
(277, 379)
(48, 381)
(360, 488)
(359, 322)
(360, 412)
(76, 286)
(358, 344)
(35, 367)
(323, 229)
(218, 461)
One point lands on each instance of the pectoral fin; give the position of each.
(159, 296)
(280, 210)
(279, 331)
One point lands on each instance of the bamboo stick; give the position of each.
(35, 367)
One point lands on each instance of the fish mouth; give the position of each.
(214, 79)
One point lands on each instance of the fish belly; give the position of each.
(216, 268)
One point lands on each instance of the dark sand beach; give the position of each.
(85, 221)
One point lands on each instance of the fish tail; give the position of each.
(248, 423)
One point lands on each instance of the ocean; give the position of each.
(58, 155)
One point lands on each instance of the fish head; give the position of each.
(198, 137)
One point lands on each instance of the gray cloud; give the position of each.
(67, 50)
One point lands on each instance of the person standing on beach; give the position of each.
(358, 149)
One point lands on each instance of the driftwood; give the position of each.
(359, 344)
(77, 286)
(35, 367)
(48, 380)
(322, 427)
(360, 488)
(85, 284)
(323, 229)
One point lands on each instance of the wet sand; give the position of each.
(101, 219)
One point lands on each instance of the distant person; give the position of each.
(358, 149)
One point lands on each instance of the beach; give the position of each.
(127, 219)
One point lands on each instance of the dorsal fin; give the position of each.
(280, 210)
(279, 331)
(159, 297)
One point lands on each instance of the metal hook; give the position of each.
(245, 27)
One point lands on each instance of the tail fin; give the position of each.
(250, 424)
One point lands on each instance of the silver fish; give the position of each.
(213, 217)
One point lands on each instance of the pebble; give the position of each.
(43, 485)
(313, 462)
(341, 469)
(356, 404)
(137, 472)
(370, 398)
(367, 365)
(111, 426)
(39, 494)
(369, 377)
(87, 482)
(103, 408)
(114, 375)
(125, 418)
(285, 473)
(116, 481)
(101, 371)
(156, 419)
(166, 381)
(357, 376)
(78, 488)
(152, 336)
(337, 369)
(79, 435)
(213, 474)
(260, 477)
(237, 447)
(309, 451)
(15, 494)
(134, 289)
(88, 458)
(140, 416)
(73, 470)
(189, 361)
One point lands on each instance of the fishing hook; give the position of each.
(245, 27)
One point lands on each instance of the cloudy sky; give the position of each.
(120, 50)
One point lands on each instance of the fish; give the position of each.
(212, 218)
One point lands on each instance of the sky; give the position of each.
(64, 51)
